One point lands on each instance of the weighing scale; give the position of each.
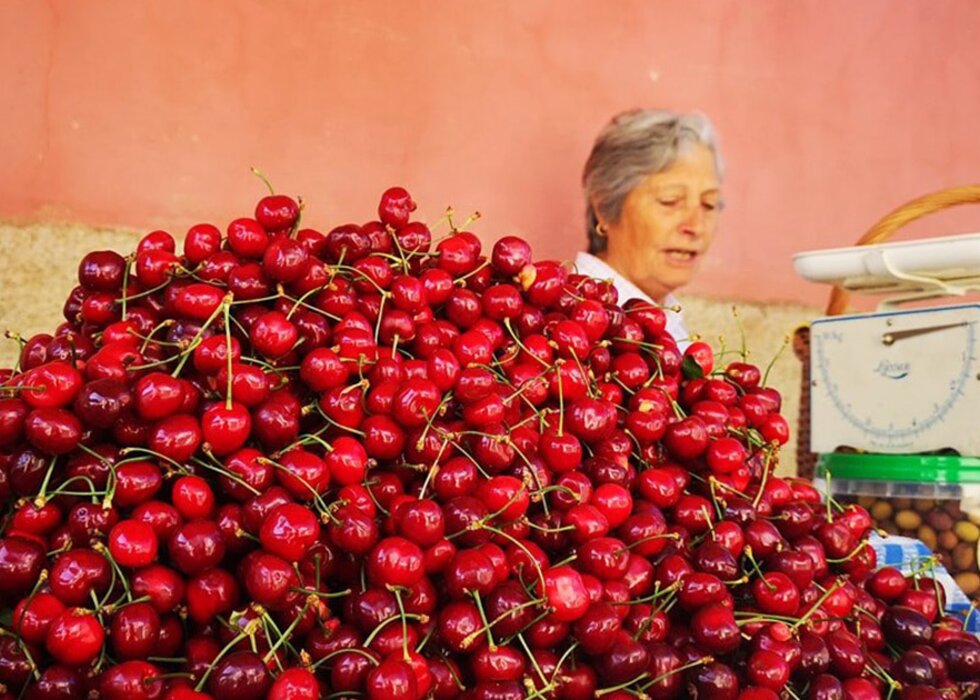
(898, 380)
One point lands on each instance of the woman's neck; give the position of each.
(653, 290)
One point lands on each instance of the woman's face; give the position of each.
(667, 224)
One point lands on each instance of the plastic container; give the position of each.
(933, 498)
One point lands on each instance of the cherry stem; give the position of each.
(522, 346)
(125, 285)
(41, 498)
(338, 652)
(491, 645)
(765, 478)
(765, 376)
(703, 661)
(227, 474)
(534, 661)
(317, 498)
(324, 594)
(501, 617)
(462, 280)
(285, 635)
(196, 340)
(178, 467)
(561, 398)
(145, 292)
(387, 621)
(667, 536)
(854, 552)
(258, 173)
(622, 686)
(104, 551)
(809, 613)
(401, 611)
(331, 422)
(250, 628)
(758, 570)
(226, 307)
(520, 545)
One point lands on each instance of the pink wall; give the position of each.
(149, 114)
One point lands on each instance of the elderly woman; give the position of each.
(653, 194)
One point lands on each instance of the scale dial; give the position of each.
(896, 382)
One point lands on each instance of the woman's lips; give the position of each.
(678, 256)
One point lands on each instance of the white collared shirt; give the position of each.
(592, 266)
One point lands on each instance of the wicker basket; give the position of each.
(837, 304)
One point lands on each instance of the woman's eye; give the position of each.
(670, 202)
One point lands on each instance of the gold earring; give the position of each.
(601, 230)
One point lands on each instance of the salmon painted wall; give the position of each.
(149, 114)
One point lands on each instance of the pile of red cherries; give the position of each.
(382, 462)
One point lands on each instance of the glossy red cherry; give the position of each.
(33, 616)
(294, 684)
(395, 561)
(134, 631)
(289, 531)
(241, 676)
(75, 637)
(133, 544)
(395, 207)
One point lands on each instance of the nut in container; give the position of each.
(932, 498)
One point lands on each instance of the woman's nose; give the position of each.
(694, 220)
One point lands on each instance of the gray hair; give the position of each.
(629, 148)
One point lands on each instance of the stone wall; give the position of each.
(39, 263)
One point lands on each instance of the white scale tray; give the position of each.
(920, 269)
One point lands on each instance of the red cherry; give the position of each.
(566, 593)
(347, 462)
(268, 579)
(53, 431)
(133, 544)
(687, 439)
(294, 684)
(392, 679)
(225, 429)
(395, 207)
(210, 594)
(193, 498)
(776, 594)
(247, 238)
(177, 437)
(277, 212)
(33, 616)
(201, 241)
(290, 531)
(714, 628)
(134, 631)
(52, 385)
(162, 585)
(273, 334)
(322, 370)
(198, 301)
(78, 573)
(395, 561)
(196, 546)
(155, 267)
(75, 637)
(887, 583)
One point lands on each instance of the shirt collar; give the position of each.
(588, 264)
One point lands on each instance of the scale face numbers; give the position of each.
(896, 382)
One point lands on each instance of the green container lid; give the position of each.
(933, 469)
